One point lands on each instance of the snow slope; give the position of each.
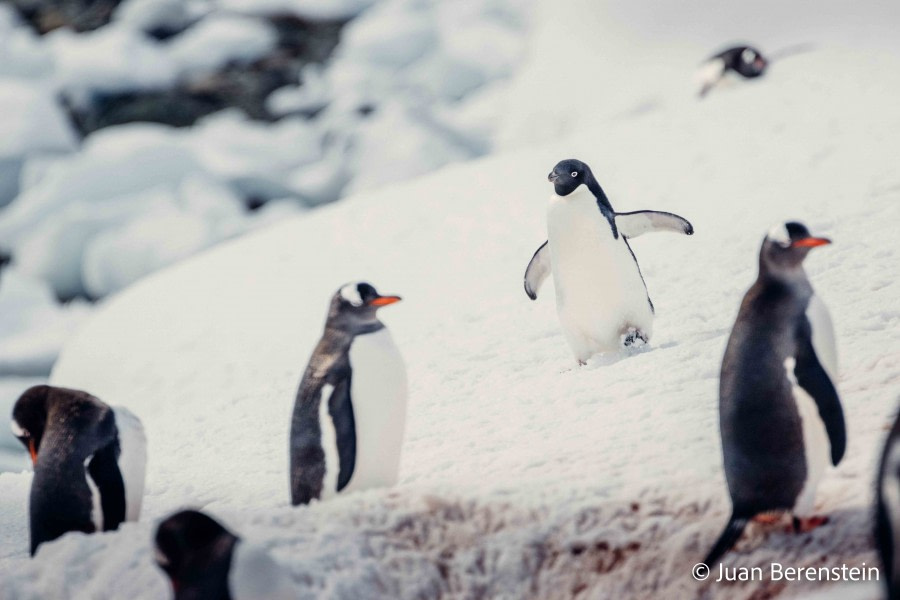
(521, 476)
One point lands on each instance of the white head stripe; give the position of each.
(16, 429)
(350, 293)
(779, 234)
(748, 55)
(161, 559)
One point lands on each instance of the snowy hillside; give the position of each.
(522, 476)
(164, 127)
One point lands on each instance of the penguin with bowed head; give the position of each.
(601, 298)
(89, 462)
(350, 411)
(780, 416)
(744, 61)
(887, 511)
(205, 561)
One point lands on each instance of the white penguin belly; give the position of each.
(816, 445)
(96, 507)
(329, 445)
(823, 337)
(378, 394)
(132, 460)
(599, 290)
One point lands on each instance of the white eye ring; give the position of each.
(574, 173)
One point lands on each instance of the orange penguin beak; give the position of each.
(385, 300)
(32, 451)
(811, 242)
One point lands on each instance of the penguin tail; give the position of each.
(729, 537)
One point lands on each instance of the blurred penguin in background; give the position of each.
(89, 462)
(743, 61)
(205, 561)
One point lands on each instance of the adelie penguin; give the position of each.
(887, 511)
(780, 416)
(89, 461)
(205, 561)
(601, 298)
(745, 61)
(350, 411)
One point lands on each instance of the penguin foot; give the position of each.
(806, 524)
(634, 337)
(769, 518)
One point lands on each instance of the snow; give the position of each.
(33, 126)
(217, 41)
(409, 64)
(521, 475)
(34, 326)
(310, 9)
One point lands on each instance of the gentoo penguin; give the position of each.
(601, 298)
(350, 410)
(745, 61)
(780, 417)
(887, 512)
(205, 561)
(89, 461)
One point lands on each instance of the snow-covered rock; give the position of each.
(220, 40)
(111, 59)
(391, 104)
(34, 126)
(33, 326)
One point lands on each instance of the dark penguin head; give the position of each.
(354, 308)
(784, 248)
(746, 61)
(82, 420)
(568, 174)
(195, 551)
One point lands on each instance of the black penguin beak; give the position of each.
(552, 177)
(385, 300)
(810, 242)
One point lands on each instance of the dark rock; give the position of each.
(239, 85)
(79, 15)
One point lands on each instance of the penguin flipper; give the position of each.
(104, 470)
(537, 271)
(727, 539)
(813, 378)
(633, 224)
(341, 410)
(307, 458)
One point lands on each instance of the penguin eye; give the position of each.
(574, 173)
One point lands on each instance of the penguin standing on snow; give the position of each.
(205, 561)
(350, 411)
(745, 61)
(887, 512)
(779, 413)
(601, 298)
(89, 460)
